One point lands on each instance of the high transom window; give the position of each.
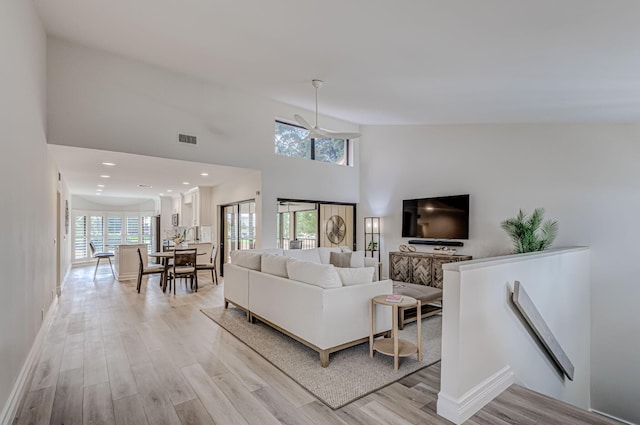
(294, 141)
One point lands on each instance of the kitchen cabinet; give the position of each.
(196, 207)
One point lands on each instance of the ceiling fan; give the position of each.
(315, 131)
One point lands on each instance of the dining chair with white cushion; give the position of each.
(99, 256)
(211, 265)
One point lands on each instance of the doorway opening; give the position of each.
(237, 229)
(304, 224)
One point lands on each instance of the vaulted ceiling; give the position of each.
(383, 62)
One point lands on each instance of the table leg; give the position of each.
(394, 329)
(166, 274)
(371, 327)
(419, 320)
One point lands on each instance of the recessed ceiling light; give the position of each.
(185, 183)
(100, 185)
(204, 174)
(98, 190)
(145, 186)
(104, 176)
(161, 194)
(109, 164)
(98, 193)
(169, 190)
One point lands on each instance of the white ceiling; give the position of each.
(384, 62)
(82, 169)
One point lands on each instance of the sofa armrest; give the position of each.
(373, 262)
(236, 285)
(346, 311)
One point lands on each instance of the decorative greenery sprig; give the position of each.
(526, 232)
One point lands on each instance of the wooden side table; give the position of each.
(394, 346)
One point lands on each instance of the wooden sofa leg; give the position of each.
(324, 358)
(226, 304)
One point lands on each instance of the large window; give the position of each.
(108, 230)
(294, 141)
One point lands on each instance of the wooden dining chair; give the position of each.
(100, 256)
(211, 265)
(184, 265)
(148, 269)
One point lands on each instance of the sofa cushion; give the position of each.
(322, 275)
(345, 248)
(274, 264)
(347, 259)
(246, 259)
(310, 255)
(340, 259)
(325, 253)
(355, 275)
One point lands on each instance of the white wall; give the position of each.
(136, 205)
(28, 185)
(98, 100)
(237, 190)
(486, 345)
(586, 176)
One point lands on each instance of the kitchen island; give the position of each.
(126, 263)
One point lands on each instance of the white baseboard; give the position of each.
(459, 410)
(10, 409)
(606, 415)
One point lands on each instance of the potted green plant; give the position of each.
(530, 233)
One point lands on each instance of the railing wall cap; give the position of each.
(513, 258)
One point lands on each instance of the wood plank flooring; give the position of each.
(113, 356)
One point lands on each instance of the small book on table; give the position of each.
(393, 298)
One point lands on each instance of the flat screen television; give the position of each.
(444, 217)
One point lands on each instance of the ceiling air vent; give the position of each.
(185, 138)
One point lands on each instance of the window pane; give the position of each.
(292, 141)
(96, 230)
(306, 228)
(247, 225)
(80, 237)
(114, 232)
(330, 150)
(146, 232)
(132, 230)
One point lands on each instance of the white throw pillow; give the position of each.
(325, 254)
(355, 276)
(345, 248)
(357, 259)
(310, 255)
(322, 275)
(274, 264)
(246, 259)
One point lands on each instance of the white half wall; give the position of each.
(29, 186)
(103, 101)
(486, 345)
(585, 175)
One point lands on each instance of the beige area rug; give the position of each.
(351, 373)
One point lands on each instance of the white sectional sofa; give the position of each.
(299, 293)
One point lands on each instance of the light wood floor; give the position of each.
(114, 356)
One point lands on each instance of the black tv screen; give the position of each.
(445, 217)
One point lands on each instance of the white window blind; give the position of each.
(114, 231)
(133, 231)
(96, 230)
(80, 238)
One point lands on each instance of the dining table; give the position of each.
(165, 256)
